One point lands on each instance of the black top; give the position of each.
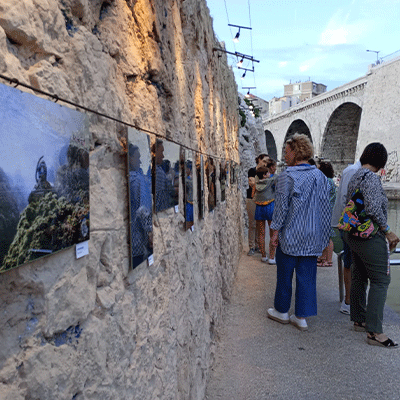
(250, 174)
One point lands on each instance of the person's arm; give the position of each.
(282, 198)
(372, 191)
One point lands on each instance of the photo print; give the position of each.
(188, 185)
(211, 177)
(44, 178)
(140, 197)
(166, 156)
(222, 179)
(200, 185)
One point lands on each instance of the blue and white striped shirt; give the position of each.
(302, 212)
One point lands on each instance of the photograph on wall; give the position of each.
(222, 179)
(140, 197)
(44, 177)
(232, 174)
(188, 185)
(200, 185)
(166, 156)
(211, 178)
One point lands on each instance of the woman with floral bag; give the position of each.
(370, 255)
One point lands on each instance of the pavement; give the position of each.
(257, 358)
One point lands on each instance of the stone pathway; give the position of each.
(257, 358)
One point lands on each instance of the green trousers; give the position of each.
(370, 264)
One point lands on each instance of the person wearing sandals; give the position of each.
(326, 168)
(370, 256)
(301, 228)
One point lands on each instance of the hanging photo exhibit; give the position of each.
(140, 198)
(222, 179)
(44, 177)
(200, 185)
(188, 181)
(166, 156)
(211, 176)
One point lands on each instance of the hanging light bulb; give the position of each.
(239, 64)
(248, 94)
(244, 74)
(236, 38)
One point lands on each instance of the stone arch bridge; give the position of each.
(342, 121)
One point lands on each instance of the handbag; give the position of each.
(354, 218)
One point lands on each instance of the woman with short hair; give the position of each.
(301, 227)
(370, 256)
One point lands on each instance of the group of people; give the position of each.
(302, 207)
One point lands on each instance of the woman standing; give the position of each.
(370, 256)
(301, 227)
(264, 200)
(251, 207)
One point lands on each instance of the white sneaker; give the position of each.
(272, 261)
(283, 318)
(264, 259)
(298, 323)
(345, 308)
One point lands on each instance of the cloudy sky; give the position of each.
(298, 40)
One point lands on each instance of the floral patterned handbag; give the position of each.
(354, 219)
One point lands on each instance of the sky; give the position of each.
(300, 40)
(31, 127)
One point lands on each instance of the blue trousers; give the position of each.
(306, 284)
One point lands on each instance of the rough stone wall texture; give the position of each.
(92, 328)
(380, 116)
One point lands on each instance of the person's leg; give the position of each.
(359, 283)
(284, 275)
(306, 287)
(347, 260)
(329, 253)
(261, 237)
(379, 282)
(272, 248)
(251, 209)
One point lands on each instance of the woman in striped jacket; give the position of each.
(301, 228)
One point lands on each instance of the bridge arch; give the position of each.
(271, 145)
(340, 136)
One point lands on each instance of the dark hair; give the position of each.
(326, 168)
(311, 161)
(260, 157)
(374, 154)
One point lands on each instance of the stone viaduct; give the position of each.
(343, 121)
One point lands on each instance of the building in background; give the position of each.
(293, 94)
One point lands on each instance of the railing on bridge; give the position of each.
(340, 271)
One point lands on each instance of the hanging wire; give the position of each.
(251, 42)
(16, 83)
(230, 28)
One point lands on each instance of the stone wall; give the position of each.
(93, 328)
(380, 116)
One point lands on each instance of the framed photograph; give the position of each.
(166, 165)
(200, 185)
(44, 178)
(211, 178)
(188, 185)
(140, 196)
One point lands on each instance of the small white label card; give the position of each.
(82, 249)
(176, 209)
(192, 228)
(150, 259)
